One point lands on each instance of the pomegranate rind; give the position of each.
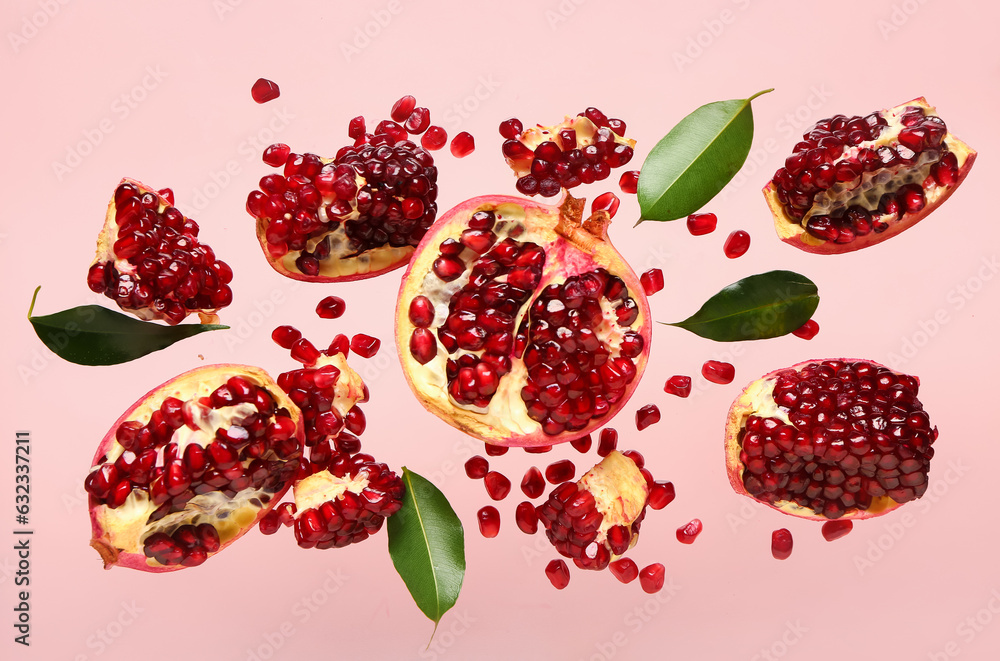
(756, 399)
(510, 426)
(792, 232)
(119, 540)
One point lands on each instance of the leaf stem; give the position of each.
(33, 297)
(760, 93)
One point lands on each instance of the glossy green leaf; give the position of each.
(427, 545)
(93, 335)
(755, 308)
(695, 161)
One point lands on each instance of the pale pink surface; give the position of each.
(900, 303)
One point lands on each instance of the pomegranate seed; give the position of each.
(678, 385)
(558, 574)
(624, 569)
(582, 444)
(836, 529)
(275, 155)
(304, 352)
(636, 457)
(264, 90)
(687, 533)
(511, 128)
(608, 441)
(489, 521)
(629, 182)
(462, 145)
(652, 281)
(477, 467)
(340, 344)
(365, 346)
(496, 450)
(651, 578)
(497, 485)
(538, 449)
(701, 223)
(807, 331)
(646, 416)
(285, 336)
(331, 307)
(781, 544)
(401, 109)
(526, 517)
(533, 484)
(167, 194)
(736, 244)
(435, 138)
(605, 202)
(356, 128)
(661, 494)
(418, 121)
(560, 471)
(718, 372)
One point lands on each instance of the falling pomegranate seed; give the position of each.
(608, 441)
(781, 544)
(558, 574)
(356, 128)
(636, 457)
(646, 416)
(496, 450)
(497, 485)
(678, 385)
(560, 471)
(701, 223)
(807, 331)
(365, 346)
(331, 307)
(462, 145)
(285, 336)
(629, 182)
(264, 90)
(526, 518)
(687, 533)
(304, 352)
(538, 449)
(606, 202)
(435, 138)
(489, 521)
(533, 484)
(477, 467)
(401, 109)
(718, 372)
(167, 194)
(276, 155)
(340, 344)
(418, 121)
(624, 569)
(836, 529)
(736, 244)
(661, 494)
(652, 281)
(511, 128)
(582, 444)
(651, 578)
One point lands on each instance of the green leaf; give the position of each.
(92, 335)
(755, 308)
(695, 161)
(427, 545)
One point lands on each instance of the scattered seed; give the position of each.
(781, 544)
(687, 533)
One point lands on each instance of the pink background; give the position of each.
(163, 94)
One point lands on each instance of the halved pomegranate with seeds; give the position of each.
(519, 323)
(192, 466)
(853, 182)
(580, 150)
(150, 261)
(827, 439)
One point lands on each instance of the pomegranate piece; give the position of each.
(580, 150)
(365, 346)
(560, 471)
(462, 145)
(608, 442)
(736, 244)
(477, 467)
(435, 138)
(489, 521)
(533, 484)
(151, 263)
(558, 574)
(661, 494)
(699, 224)
(807, 331)
(651, 578)
(853, 182)
(687, 533)
(833, 530)
(264, 90)
(546, 335)
(678, 385)
(830, 439)
(497, 485)
(331, 307)
(182, 475)
(718, 372)
(526, 518)
(629, 182)
(781, 544)
(646, 416)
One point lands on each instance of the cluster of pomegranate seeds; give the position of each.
(781, 544)
(560, 471)
(651, 578)
(699, 224)
(629, 182)
(807, 331)
(646, 416)
(687, 533)
(462, 144)
(718, 372)
(331, 307)
(572, 521)
(489, 521)
(159, 269)
(608, 202)
(652, 281)
(678, 385)
(833, 530)
(187, 546)
(737, 244)
(847, 433)
(264, 90)
(558, 574)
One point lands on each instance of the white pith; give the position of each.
(536, 135)
(620, 492)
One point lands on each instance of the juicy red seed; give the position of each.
(629, 182)
(538, 449)
(167, 194)
(736, 244)
(533, 484)
(264, 90)
(304, 352)
(365, 346)
(646, 416)
(608, 441)
(606, 202)
(496, 450)
(340, 344)
(678, 385)
(558, 574)
(526, 518)
(497, 485)
(560, 471)
(275, 155)
(652, 281)
(836, 529)
(582, 444)
(701, 223)
(356, 128)
(687, 533)
(636, 457)
(418, 121)
(489, 521)
(624, 569)
(462, 145)
(511, 128)
(401, 109)
(477, 467)
(807, 331)
(651, 578)
(718, 372)
(270, 523)
(331, 307)
(781, 544)
(661, 494)
(423, 345)
(435, 138)
(421, 312)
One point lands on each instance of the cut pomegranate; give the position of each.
(536, 330)
(807, 331)
(497, 485)
(624, 569)
(533, 484)
(150, 262)
(833, 530)
(580, 150)
(629, 182)
(736, 244)
(830, 439)
(781, 544)
(191, 467)
(678, 385)
(651, 578)
(558, 574)
(646, 416)
(853, 182)
(462, 145)
(608, 442)
(477, 467)
(718, 372)
(652, 281)
(560, 471)
(661, 494)
(331, 307)
(527, 519)
(264, 90)
(489, 521)
(689, 532)
(699, 224)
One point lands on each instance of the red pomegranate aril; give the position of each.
(401, 109)
(608, 441)
(652, 281)
(687, 533)
(606, 202)
(418, 121)
(651, 578)
(275, 155)
(582, 444)
(264, 90)
(807, 331)
(356, 128)
(434, 138)
(421, 312)
(304, 352)
(781, 544)
(661, 494)
(489, 521)
(538, 449)
(331, 307)
(533, 484)
(629, 182)
(497, 485)
(526, 518)
(511, 128)
(560, 471)
(624, 569)
(833, 530)
(340, 344)
(496, 450)
(558, 574)
(477, 467)
(718, 372)
(646, 416)
(636, 457)
(678, 385)
(365, 346)
(699, 224)
(736, 244)
(462, 145)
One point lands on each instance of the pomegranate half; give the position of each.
(827, 439)
(853, 182)
(519, 323)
